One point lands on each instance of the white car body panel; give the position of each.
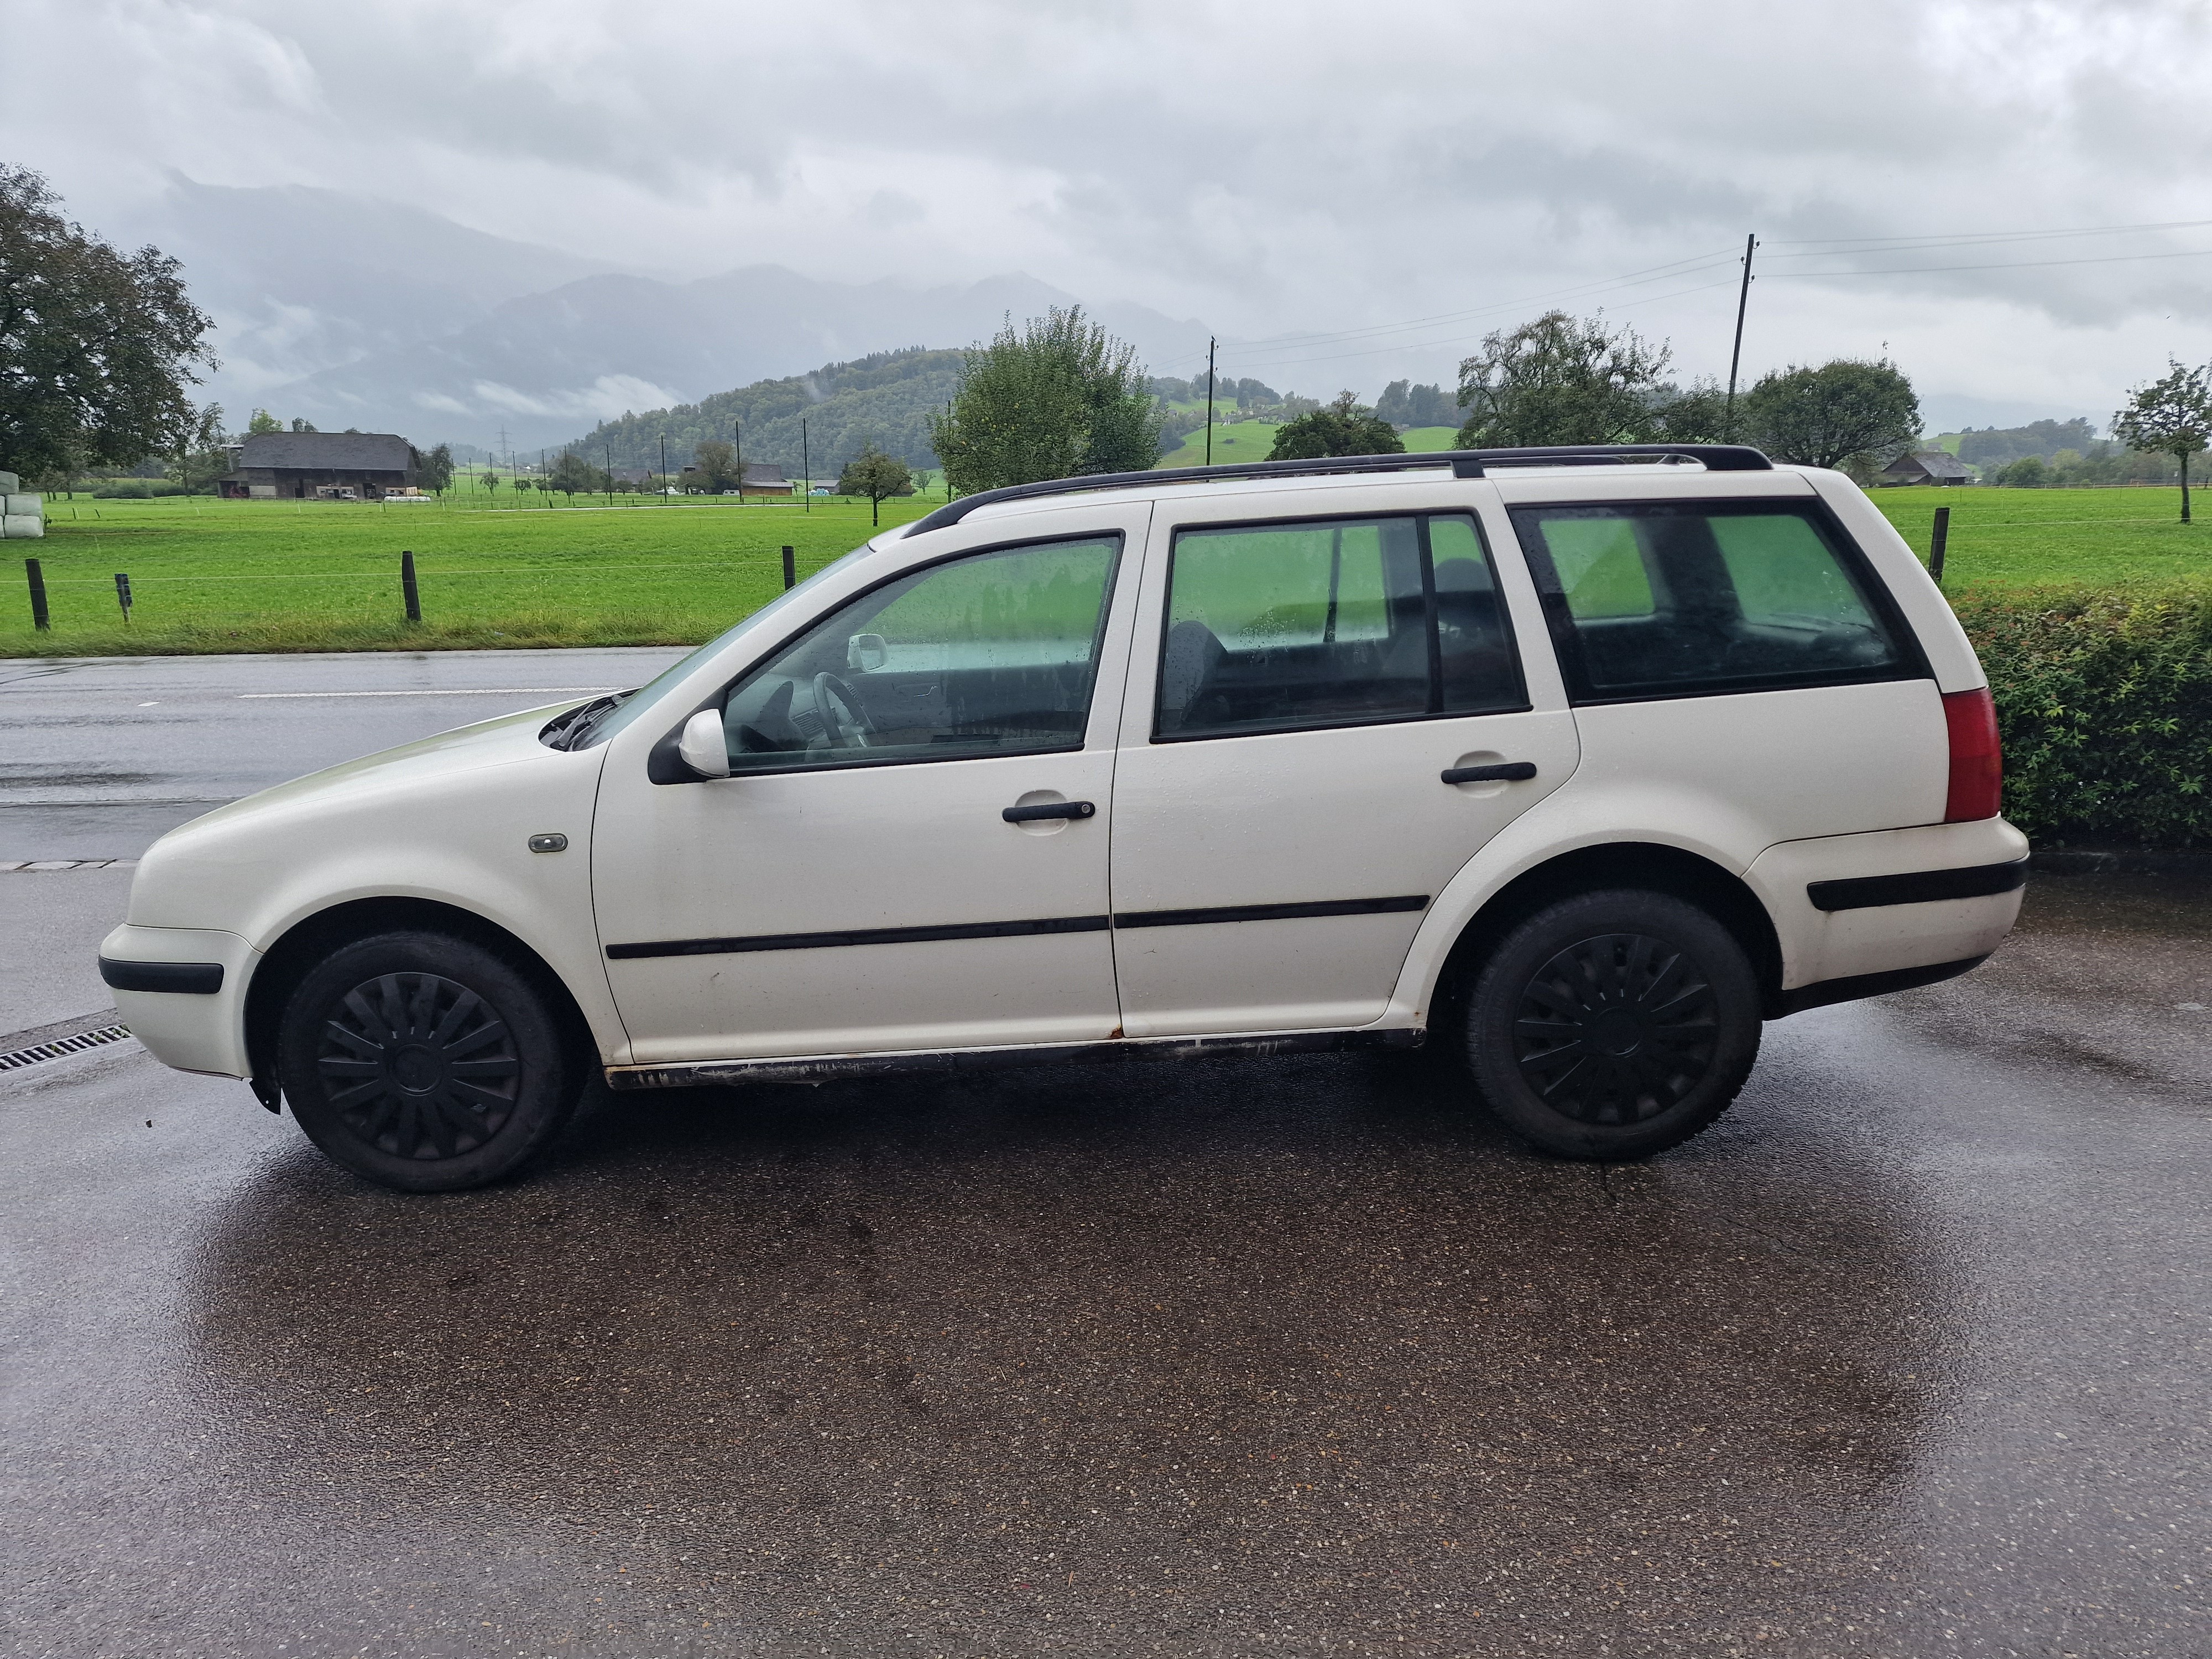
(1778, 788)
(1340, 812)
(842, 849)
(448, 820)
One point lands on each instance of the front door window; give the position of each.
(990, 654)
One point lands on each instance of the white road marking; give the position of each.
(479, 691)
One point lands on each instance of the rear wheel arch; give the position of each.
(1649, 865)
(312, 938)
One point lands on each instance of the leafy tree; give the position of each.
(96, 348)
(572, 475)
(1846, 409)
(2028, 472)
(1560, 380)
(875, 475)
(434, 471)
(262, 421)
(1058, 399)
(718, 467)
(2172, 415)
(1403, 403)
(302, 425)
(1698, 416)
(1343, 427)
(201, 456)
(490, 480)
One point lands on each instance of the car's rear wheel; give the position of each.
(425, 1063)
(1613, 1025)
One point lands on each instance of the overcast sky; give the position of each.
(1363, 189)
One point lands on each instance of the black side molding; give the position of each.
(723, 947)
(1918, 886)
(1820, 994)
(199, 979)
(1359, 907)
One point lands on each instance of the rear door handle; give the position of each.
(1050, 809)
(1502, 772)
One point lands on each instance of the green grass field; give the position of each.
(2021, 538)
(214, 575)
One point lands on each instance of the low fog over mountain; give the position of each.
(348, 311)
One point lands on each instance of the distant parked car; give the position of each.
(819, 490)
(1582, 763)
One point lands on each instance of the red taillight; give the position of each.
(1977, 767)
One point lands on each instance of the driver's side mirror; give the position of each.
(702, 747)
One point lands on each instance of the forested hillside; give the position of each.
(885, 399)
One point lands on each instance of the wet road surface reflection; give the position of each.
(1186, 1358)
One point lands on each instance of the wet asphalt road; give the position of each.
(1909, 1356)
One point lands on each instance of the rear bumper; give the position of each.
(1895, 903)
(182, 991)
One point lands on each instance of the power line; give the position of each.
(2009, 264)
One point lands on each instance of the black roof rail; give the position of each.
(1464, 464)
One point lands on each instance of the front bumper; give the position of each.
(182, 991)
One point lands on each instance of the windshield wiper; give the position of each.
(571, 729)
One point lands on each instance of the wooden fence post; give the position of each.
(39, 619)
(1935, 544)
(407, 587)
(790, 569)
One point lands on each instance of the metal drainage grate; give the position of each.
(38, 1053)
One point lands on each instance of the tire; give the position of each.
(1613, 1025)
(425, 1063)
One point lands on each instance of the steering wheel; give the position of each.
(852, 733)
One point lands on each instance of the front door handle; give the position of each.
(1050, 809)
(1502, 772)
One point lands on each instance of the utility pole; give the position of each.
(805, 469)
(738, 449)
(664, 469)
(1209, 400)
(1735, 356)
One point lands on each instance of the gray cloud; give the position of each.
(1303, 169)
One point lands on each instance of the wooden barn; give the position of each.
(320, 466)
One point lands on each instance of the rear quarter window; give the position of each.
(1661, 600)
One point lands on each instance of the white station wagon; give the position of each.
(1586, 762)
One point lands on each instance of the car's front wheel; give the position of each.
(425, 1063)
(1614, 1024)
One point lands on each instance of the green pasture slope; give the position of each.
(214, 575)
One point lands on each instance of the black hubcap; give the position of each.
(1616, 1030)
(418, 1066)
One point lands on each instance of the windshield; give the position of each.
(636, 702)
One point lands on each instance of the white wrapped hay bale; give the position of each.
(20, 525)
(10, 483)
(18, 505)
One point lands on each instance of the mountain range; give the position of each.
(348, 311)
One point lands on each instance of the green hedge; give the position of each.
(2105, 699)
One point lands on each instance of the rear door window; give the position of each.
(1686, 599)
(1285, 626)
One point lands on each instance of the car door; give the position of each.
(856, 885)
(1327, 717)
